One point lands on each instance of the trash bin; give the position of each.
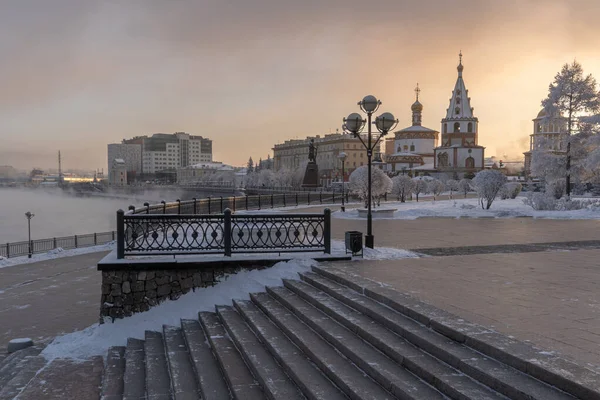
(354, 243)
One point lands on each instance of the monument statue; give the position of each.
(312, 151)
(311, 175)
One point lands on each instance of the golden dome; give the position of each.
(417, 107)
(542, 113)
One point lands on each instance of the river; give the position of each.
(56, 214)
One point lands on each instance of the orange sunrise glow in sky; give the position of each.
(76, 75)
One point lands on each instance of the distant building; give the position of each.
(163, 151)
(207, 174)
(293, 154)
(549, 135)
(130, 153)
(117, 175)
(459, 151)
(7, 172)
(411, 147)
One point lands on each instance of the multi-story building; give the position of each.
(161, 152)
(293, 153)
(207, 174)
(130, 153)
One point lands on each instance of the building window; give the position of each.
(470, 127)
(442, 159)
(399, 149)
(412, 147)
(445, 128)
(470, 162)
(457, 127)
(457, 110)
(458, 100)
(405, 147)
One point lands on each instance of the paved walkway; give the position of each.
(47, 298)
(551, 298)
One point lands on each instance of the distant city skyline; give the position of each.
(78, 75)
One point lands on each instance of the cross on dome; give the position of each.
(417, 91)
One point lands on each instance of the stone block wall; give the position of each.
(127, 292)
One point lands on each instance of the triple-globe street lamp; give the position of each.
(354, 124)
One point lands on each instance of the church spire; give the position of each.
(460, 103)
(417, 108)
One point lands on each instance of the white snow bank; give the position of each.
(96, 339)
(52, 254)
(470, 208)
(378, 253)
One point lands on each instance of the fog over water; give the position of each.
(56, 214)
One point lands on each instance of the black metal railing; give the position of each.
(145, 234)
(18, 249)
(217, 205)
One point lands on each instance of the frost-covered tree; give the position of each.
(419, 186)
(358, 183)
(435, 187)
(464, 186)
(402, 186)
(487, 184)
(250, 166)
(452, 186)
(570, 95)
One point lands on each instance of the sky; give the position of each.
(76, 75)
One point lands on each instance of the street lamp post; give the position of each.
(342, 157)
(354, 124)
(29, 215)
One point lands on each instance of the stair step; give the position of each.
(242, 384)
(158, 384)
(313, 383)
(61, 379)
(273, 380)
(10, 365)
(347, 376)
(134, 379)
(490, 372)
(112, 384)
(26, 370)
(211, 381)
(183, 379)
(385, 371)
(564, 374)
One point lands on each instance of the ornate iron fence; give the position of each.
(143, 234)
(18, 249)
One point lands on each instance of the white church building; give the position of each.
(416, 148)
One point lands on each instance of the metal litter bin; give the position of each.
(354, 243)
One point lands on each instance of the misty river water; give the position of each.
(56, 214)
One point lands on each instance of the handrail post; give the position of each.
(246, 202)
(147, 205)
(120, 234)
(193, 198)
(227, 232)
(178, 206)
(75, 240)
(233, 203)
(95, 239)
(259, 201)
(327, 231)
(7, 250)
(308, 197)
(54, 243)
(208, 204)
(321, 197)
(132, 208)
(222, 204)
(164, 203)
(296, 199)
(271, 200)
(284, 199)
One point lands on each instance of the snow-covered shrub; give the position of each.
(514, 188)
(359, 184)
(467, 206)
(435, 187)
(401, 186)
(556, 188)
(504, 193)
(419, 186)
(452, 186)
(464, 186)
(487, 184)
(547, 202)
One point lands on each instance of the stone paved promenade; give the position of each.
(551, 298)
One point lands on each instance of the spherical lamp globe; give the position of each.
(369, 103)
(342, 156)
(354, 122)
(385, 122)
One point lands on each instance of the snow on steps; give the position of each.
(328, 336)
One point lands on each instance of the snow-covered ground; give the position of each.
(96, 339)
(52, 254)
(470, 208)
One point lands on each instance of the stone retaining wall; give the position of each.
(127, 292)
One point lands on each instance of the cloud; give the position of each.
(262, 71)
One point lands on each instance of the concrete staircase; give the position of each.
(333, 336)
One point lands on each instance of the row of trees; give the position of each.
(576, 98)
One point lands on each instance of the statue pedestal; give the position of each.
(311, 176)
